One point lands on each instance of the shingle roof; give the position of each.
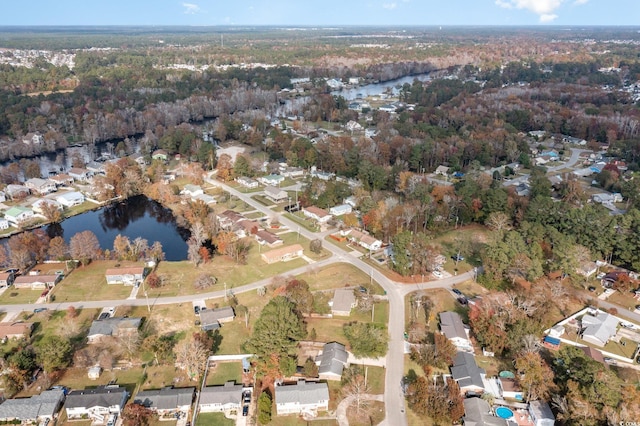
(333, 358)
(452, 326)
(343, 300)
(213, 316)
(230, 393)
(302, 392)
(99, 397)
(541, 410)
(43, 405)
(465, 371)
(317, 211)
(478, 413)
(110, 326)
(166, 399)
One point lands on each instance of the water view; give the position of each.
(136, 217)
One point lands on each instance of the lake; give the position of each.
(136, 217)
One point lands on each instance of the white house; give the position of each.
(453, 328)
(80, 174)
(215, 399)
(316, 213)
(293, 172)
(365, 241)
(16, 191)
(442, 170)
(276, 195)
(4, 224)
(599, 328)
(341, 209)
(167, 401)
(41, 186)
(96, 404)
(126, 276)
(70, 199)
(353, 126)
(33, 139)
(302, 398)
(271, 180)
(191, 190)
(247, 182)
(40, 205)
(606, 198)
(388, 108)
(17, 215)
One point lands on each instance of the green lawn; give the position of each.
(89, 283)
(19, 296)
(210, 419)
(375, 379)
(225, 372)
(299, 218)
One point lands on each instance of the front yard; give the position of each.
(89, 283)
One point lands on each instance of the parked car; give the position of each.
(36, 310)
(463, 300)
(437, 274)
(456, 291)
(610, 361)
(457, 257)
(103, 315)
(196, 310)
(245, 410)
(592, 289)
(246, 397)
(112, 420)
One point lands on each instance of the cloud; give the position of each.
(545, 9)
(191, 8)
(390, 6)
(548, 17)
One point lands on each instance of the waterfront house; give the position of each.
(42, 204)
(70, 199)
(127, 276)
(41, 186)
(4, 224)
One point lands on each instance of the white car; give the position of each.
(437, 274)
(112, 420)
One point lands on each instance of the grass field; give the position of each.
(225, 372)
(210, 419)
(302, 221)
(442, 301)
(89, 283)
(18, 296)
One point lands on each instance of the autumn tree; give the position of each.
(135, 414)
(84, 246)
(536, 377)
(366, 339)
(355, 387)
(54, 353)
(298, 293)
(191, 355)
(58, 249)
(51, 212)
(204, 281)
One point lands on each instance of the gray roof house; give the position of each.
(34, 409)
(541, 413)
(453, 328)
(115, 326)
(220, 398)
(331, 361)
(302, 397)
(477, 412)
(599, 328)
(212, 319)
(167, 400)
(276, 195)
(466, 373)
(343, 301)
(97, 403)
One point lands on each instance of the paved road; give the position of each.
(573, 160)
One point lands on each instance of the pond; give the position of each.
(135, 217)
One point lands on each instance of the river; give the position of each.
(136, 217)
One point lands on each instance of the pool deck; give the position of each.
(522, 418)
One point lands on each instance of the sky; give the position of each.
(320, 12)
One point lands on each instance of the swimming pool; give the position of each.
(504, 412)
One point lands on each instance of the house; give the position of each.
(17, 215)
(586, 269)
(353, 126)
(341, 209)
(160, 155)
(79, 174)
(509, 388)
(302, 398)
(33, 139)
(388, 108)
(352, 201)
(41, 186)
(95, 168)
(127, 276)
(592, 353)
(42, 204)
(35, 282)
(70, 199)
(442, 170)
(283, 254)
(228, 219)
(114, 326)
(62, 179)
(467, 374)
(317, 214)
(276, 195)
(477, 412)
(271, 180)
(453, 328)
(167, 401)
(15, 330)
(96, 404)
(541, 413)
(205, 198)
(16, 192)
(247, 227)
(334, 84)
(599, 328)
(293, 172)
(326, 176)
(365, 241)
(6, 279)
(247, 182)
(212, 319)
(215, 399)
(607, 198)
(36, 409)
(4, 224)
(191, 190)
(331, 361)
(94, 372)
(267, 238)
(139, 159)
(343, 301)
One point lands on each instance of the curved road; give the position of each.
(393, 396)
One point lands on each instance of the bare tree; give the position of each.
(191, 356)
(84, 246)
(355, 387)
(204, 281)
(129, 342)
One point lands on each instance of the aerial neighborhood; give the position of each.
(276, 227)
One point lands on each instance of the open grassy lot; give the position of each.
(442, 301)
(225, 372)
(209, 419)
(338, 275)
(18, 296)
(375, 415)
(89, 283)
(300, 219)
(76, 378)
(59, 323)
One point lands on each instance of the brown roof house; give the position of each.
(343, 301)
(316, 213)
(127, 276)
(35, 282)
(283, 254)
(15, 330)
